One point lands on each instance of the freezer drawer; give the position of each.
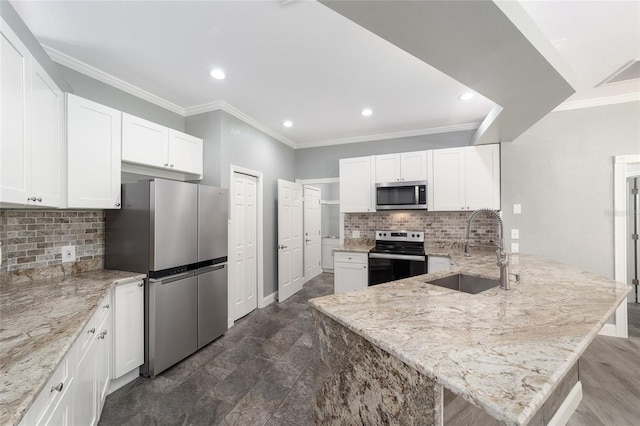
(173, 321)
(212, 304)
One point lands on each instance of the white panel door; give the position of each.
(448, 180)
(312, 240)
(144, 142)
(245, 279)
(482, 177)
(290, 230)
(387, 168)
(413, 166)
(185, 152)
(47, 139)
(15, 146)
(93, 145)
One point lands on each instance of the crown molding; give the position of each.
(393, 135)
(222, 105)
(83, 68)
(601, 101)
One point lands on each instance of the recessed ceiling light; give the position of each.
(287, 123)
(366, 112)
(218, 74)
(466, 96)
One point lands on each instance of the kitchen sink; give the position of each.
(465, 283)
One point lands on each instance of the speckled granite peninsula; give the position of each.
(40, 321)
(406, 352)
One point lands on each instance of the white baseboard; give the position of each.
(568, 407)
(129, 377)
(267, 300)
(609, 330)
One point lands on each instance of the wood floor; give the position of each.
(610, 376)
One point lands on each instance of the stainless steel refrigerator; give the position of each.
(176, 233)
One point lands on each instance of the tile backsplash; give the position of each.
(32, 239)
(439, 227)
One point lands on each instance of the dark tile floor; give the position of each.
(259, 373)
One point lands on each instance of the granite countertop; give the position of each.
(503, 351)
(40, 322)
(356, 246)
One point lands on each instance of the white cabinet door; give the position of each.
(47, 140)
(387, 168)
(128, 347)
(438, 263)
(185, 152)
(447, 180)
(144, 142)
(103, 361)
(62, 412)
(413, 166)
(482, 177)
(86, 396)
(350, 276)
(93, 145)
(356, 185)
(15, 146)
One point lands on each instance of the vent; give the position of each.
(630, 71)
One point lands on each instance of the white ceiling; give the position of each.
(302, 61)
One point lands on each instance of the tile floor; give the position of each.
(261, 373)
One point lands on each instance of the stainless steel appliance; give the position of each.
(176, 233)
(401, 195)
(397, 255)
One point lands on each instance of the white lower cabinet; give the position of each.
(128, 344)
(438, 263)
(351, 271)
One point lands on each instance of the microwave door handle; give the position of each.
(417, 188)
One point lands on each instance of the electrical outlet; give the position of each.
(515, 234)
(68, 254)
(515, 248)
(355, 234)
(517, 208)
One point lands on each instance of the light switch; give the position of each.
(515, 234)
(515, 248)
(355, 234)
(517, 208)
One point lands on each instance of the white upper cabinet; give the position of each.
(152, 145)
(356, 185)
(93, 148)
(466, 178)
(144, 142)
(185, 153)
(32, 145)
(406, 166)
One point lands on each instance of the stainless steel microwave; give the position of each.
(401, 195)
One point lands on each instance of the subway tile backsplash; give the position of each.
(439, 227)
(32, 240)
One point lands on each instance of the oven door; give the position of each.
(385, 267)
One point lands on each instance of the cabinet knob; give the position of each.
(39, 200)
(31, 199)
(92, 331)
(57, 387)
(106, 306)
(166, 164)
(141, 283)
(171, 165)
(101, 336)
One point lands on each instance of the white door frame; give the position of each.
(259, 241)
(620, 326)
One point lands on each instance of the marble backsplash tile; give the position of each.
(32, 240)
(439, 227)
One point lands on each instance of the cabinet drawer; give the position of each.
(103, 309)
(52, 391)
(350, 257)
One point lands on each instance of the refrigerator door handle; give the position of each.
(171, 278)
(211, 268)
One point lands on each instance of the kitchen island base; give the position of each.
(360, 383)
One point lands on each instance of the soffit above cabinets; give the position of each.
(292, 60)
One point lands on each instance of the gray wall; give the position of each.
(18, 26)
(105, 94)
(322, 162)
(230, 141)
(561, 171)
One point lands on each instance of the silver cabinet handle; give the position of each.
(106, 306)
(39, 200)
(92, 331)
(57, 387)
(31, 199)
(141, 283)
(117, 204)
(171, 165)
(307, 240)
(166, 164)
(101, 336)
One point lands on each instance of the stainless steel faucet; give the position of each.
(502, 256)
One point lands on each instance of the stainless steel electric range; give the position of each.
(397, 255)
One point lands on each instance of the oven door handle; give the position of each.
(396, 256)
